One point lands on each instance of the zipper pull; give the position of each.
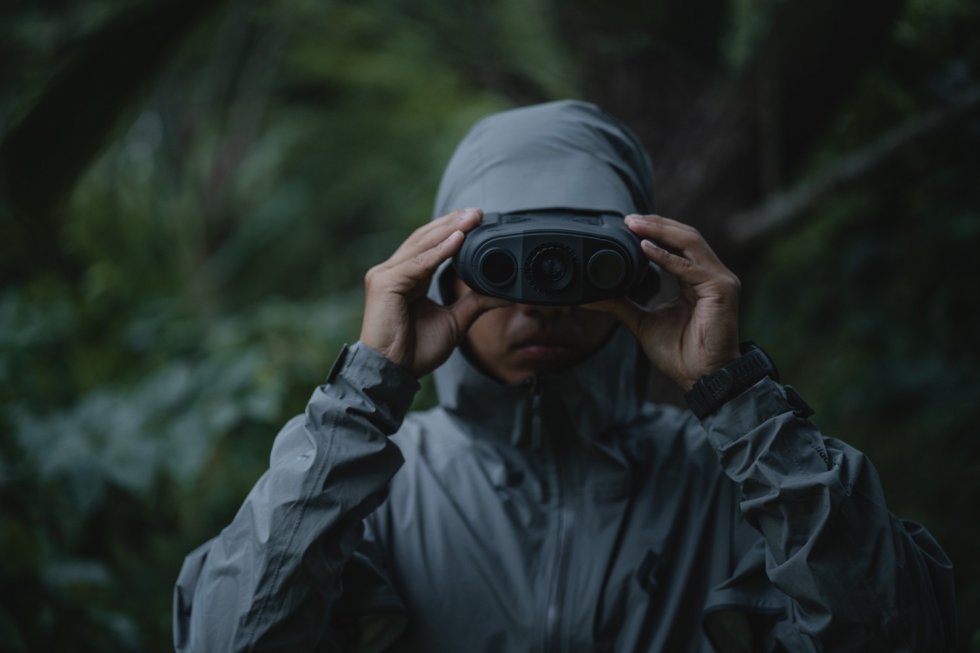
(536, 422)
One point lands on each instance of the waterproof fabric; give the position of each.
(564, 513)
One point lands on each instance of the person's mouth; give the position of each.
(543, 349)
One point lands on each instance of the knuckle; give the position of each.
(732, 283)
(419, 261)
(692, 237)
(371, 276)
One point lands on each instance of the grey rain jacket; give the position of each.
(564, 513)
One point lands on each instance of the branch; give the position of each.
(712, 164)
(790, 206)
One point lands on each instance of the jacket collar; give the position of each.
(597, 394)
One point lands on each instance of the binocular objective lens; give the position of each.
(551, 268)
(607, 269)
(498, 267)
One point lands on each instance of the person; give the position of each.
(545, 504)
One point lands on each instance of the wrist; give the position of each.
(688, 382)
(360, 373)
(711, 391)
(383, 345)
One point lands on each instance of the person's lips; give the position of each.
(543, 348)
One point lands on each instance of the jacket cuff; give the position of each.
(747, 411)
(385, 383)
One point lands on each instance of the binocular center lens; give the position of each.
(498, 267)
(607, 269)
(552, 267)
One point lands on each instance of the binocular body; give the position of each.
(556, 257)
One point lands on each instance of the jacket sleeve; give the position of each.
(268, 580)
(857, 578)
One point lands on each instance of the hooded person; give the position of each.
(559, 511)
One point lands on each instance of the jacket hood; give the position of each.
(571, 155)
(566, 154)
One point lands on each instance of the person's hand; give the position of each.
(697, 333)
(402, 323)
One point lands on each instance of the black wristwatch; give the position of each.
(713, 390)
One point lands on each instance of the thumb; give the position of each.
(470, 306)
(624, 309)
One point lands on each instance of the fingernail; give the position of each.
(648, 244)
(632, 217)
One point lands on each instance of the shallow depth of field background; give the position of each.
(191, 192)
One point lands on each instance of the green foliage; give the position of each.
(220, 240)
(871, 308)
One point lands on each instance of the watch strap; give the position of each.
(713, 390)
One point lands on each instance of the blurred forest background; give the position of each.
(193, 189)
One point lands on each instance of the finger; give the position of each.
(428, 236)
(686, 270)
(462, 219)
(659, 222)
(673, 235)
(422, 266)
(435, 232)
(410, 278)
(692, 260)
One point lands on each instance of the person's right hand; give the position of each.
(402, 323)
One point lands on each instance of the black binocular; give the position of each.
(556, 257)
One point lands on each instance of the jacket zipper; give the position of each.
(552, 641)
(536, 427)
(553, 608)
(553, 614)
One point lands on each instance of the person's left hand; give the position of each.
(697, 333)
